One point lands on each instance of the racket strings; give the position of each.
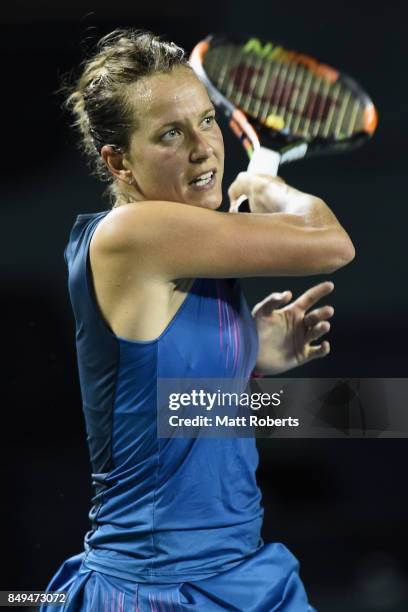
(286, 95)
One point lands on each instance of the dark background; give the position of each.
(339, 505)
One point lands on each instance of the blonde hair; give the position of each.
(99, 100)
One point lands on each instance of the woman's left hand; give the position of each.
(286, 331)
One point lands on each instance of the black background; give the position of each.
(339, 505)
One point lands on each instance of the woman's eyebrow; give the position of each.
(177, 121)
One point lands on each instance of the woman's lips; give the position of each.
(206, 186)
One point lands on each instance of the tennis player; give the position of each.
(175, 523)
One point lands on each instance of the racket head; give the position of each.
(288, 101)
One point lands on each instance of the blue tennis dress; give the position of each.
(175, 522)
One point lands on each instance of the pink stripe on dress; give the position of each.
(229, 332)
(151, 602)
(162, 608)
(217, 283)
(236, 338)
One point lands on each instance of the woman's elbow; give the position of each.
(343, 254)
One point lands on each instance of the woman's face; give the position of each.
(177, 151)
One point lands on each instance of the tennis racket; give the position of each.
(282, 105)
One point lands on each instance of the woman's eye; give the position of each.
(170, 135)
(208, 121)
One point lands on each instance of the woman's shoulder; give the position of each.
(129, 225)
(111, 228)
(121, 246)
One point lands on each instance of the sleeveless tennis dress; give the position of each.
(175, 523)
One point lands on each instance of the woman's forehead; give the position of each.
(162, 94)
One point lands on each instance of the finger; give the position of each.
(320, 314)
(276, 179)
(245, 182)
(314, 294)
(318, 351)
(317, 331)
(241, 185)
(271, 302)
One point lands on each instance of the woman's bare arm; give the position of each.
(169, 240)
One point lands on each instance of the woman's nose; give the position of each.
(200, 149)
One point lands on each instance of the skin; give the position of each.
(286, 331)
(177, 139)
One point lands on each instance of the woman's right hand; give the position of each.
(265, 193)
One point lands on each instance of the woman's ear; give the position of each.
(114, 160)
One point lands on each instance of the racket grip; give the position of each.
(263, 161)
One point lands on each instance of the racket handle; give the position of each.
(263, 161)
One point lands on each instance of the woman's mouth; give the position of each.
(204, 181)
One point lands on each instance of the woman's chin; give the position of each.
(211, 201)
(210, 204)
